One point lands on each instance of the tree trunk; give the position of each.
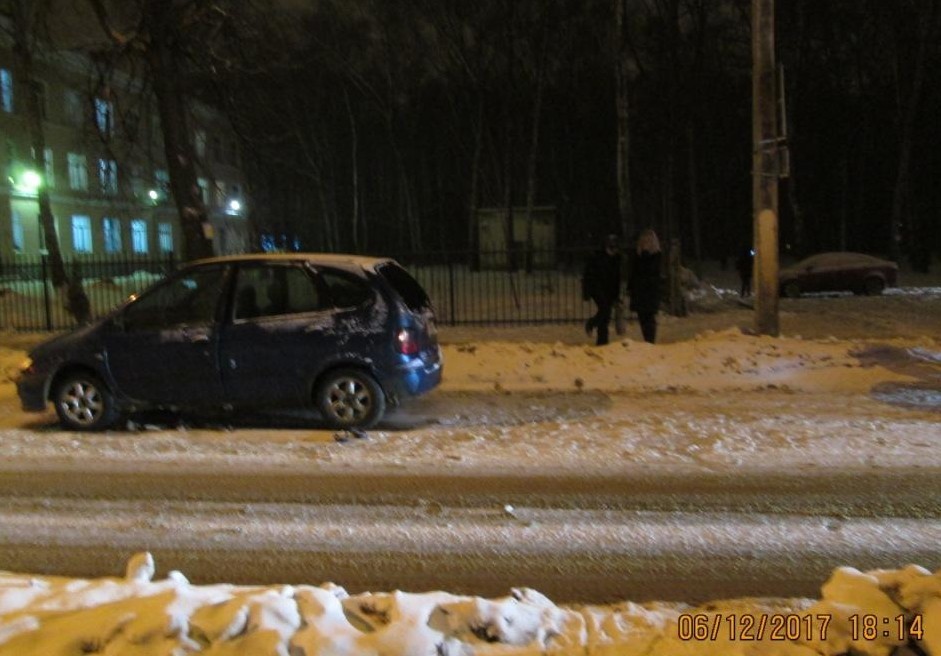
(70, 291)
(534, 153)
(354, 166)
(473, 241)
(694, 195)
(901, 216)
(177, 141)
(622, 99)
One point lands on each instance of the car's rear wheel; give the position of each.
(791, 289)
(84, 402)
(874, 286)
(350, 398)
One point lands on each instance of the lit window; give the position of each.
(108, 176)
(112, 234)
(165, 237)
(81, 234)
(139, 236)
(78, 171)
(6, 90)
(104, 116)
(203, 189)
(162, 178)
(49, 163)
(19, 239)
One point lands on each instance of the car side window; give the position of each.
(189, 299)
(346, 290)
(275, 290)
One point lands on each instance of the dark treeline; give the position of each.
(377, 126)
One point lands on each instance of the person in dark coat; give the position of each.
(602, 284)
(745, 264)
(644, 283)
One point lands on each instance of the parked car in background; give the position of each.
(345, 334)
(835, 272)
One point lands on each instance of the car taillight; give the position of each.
(406, 343)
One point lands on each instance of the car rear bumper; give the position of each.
(414, 378)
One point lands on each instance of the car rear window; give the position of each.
(346, 290)
(405, 286)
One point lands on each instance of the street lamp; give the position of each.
(153, 195)
(27, 182)
(234, 206)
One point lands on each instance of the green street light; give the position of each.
(29, 181)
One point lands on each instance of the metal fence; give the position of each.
(496, 287)
(28, 300)
(481, 287)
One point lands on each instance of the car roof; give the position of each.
(368, 262)
(846, 256)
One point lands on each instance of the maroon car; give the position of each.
(837, 272)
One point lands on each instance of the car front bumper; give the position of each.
(31, 388)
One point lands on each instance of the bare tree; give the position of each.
(69, 289)
(157, 37)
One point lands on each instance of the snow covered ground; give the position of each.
(862, 388)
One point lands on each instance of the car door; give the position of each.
(814, 276)
(275, 335)
(164, 347)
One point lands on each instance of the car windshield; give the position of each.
(405, 286)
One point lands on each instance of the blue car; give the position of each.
(346, 334)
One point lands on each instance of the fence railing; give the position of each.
(496, 287)
(482, 287)
(28, 300)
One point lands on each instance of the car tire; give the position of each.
(83, 402)
(874, 286)
(350, 398)
(791, 289)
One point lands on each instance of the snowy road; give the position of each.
(601, 555)
(584, 496)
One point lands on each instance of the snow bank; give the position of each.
(713, 361)
(51, 616)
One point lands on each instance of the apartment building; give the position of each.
(105, 167)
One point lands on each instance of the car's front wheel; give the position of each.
(84, 402)
(874, 286)
(791, 289)
(350, 398)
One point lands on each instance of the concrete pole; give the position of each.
(764, 168)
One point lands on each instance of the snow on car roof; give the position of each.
(365, 261)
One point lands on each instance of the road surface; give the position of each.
(585, 497)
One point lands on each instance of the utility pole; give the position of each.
(765, 168)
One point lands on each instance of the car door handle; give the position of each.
(199, 338)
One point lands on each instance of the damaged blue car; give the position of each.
(347, 335)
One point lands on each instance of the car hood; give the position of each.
(65, 342)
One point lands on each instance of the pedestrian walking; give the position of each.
(644, 283)
(601, 283)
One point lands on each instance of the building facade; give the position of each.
(105, 168)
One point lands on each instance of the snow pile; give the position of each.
(49, 616)
(713, 361)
